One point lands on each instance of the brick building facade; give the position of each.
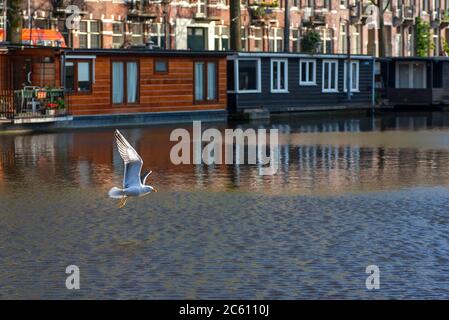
(204, 24)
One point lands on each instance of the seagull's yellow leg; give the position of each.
(122, 202)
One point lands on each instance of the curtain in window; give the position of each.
(131, 81)
(117, 82)
(83, 76)
(199, 81)
(211, 81)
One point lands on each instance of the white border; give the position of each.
(336, 76)
(278, 61)
(350, 75)
(259, 76)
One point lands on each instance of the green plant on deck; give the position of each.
(423, 38)
(310, 42)
(61, 104)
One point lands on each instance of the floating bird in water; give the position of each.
(133, 182)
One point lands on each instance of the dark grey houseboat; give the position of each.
(283, 82)
(414, 81)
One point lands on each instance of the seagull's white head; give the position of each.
(148, 189)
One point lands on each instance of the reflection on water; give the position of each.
(350, 191)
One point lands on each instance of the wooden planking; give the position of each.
(158, 92)
(305, 96)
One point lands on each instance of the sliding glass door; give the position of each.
(125, 86)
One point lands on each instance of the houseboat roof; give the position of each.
(297, 55)
(414, 58)
(147, 52)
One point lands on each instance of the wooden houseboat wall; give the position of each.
(107, 82)
(414, 81)
(283, 82)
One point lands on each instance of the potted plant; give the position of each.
(61, 106)
(51, 109)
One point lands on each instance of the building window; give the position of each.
(157, 35)
(330, 76)
(398, 44)
(258, 36)
(201, 7)
(307, 71)
(161, 66)
(244, 39)
(326, 41)
(117, 34)
(196, 38)
(276, 39)
(248, 75)
(279, 75)
(356, 39)
(221, 38)
(353, 76)
(78, 76)
(136, 33)
(89, 34)
(343, 43)
(125, 85)
(294, 34)
(205, 81)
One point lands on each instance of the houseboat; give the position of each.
(414, 81)
(286, 82)
(112, 86)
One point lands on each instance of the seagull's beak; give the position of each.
(154, 189)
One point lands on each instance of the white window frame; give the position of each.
(275, 38)
(88, 33)
(278, 62)
(221, 36)
(159, 34)
(256, 38)
(259, 75)
(356, 89)
(308, 82)
(332, 90)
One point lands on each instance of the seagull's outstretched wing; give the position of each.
(133, 162)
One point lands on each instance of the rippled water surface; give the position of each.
(350, 192)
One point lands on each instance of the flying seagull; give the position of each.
(133, 183)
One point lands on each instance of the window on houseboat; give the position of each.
(131, 80)
(78, 76)
(205, 81)
(354, 76)
(83, 76)
(248, 72)
(161, 66)
(70, 76)
(279, 75)
(330, 76)
(124, 82)
(307, 70)
(411, 75)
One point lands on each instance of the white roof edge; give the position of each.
(79, 56)
(296, 55)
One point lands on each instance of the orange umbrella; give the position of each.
(46, 37)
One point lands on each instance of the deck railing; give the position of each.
(33, 102)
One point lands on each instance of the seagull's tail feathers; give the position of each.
(116, 193)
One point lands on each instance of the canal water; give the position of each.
(350, 192)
